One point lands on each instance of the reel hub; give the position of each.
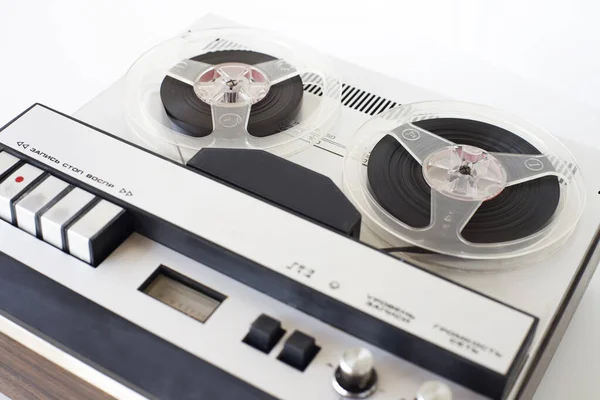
(465, 173)
(232, 83)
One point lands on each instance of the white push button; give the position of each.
(14, 185)
(93, 236)
(60, 214)
(7, 161)
(28, 207)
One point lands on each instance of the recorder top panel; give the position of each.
(333, 278)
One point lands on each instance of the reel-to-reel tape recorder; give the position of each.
(266, 222)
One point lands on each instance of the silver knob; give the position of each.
(434, 390)
(355, 377)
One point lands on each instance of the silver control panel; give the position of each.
(293, 346)
(252, 228)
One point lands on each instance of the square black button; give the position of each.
(299, 350)
(264, 333)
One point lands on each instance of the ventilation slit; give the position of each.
(373, 103)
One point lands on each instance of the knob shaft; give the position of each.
(355, 376)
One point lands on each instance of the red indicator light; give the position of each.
(19, 179)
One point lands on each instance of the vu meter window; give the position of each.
(182, 294)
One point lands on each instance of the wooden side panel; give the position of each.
(25, 375)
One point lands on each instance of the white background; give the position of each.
(540, 59)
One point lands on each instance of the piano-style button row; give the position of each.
(61, 214)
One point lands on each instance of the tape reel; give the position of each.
(461, 181)
(230, 88)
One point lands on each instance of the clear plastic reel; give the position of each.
(456, 193)
(147, 117)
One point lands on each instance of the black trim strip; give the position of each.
(12, 169)
(78, 215)
(111, 344)
(304, 298)
(49, 205)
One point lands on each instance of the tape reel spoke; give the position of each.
(448, 217)
(231, 123)
(235, 74)
(277, 70)
(419, 142)
(188, 71)
(524, 167)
